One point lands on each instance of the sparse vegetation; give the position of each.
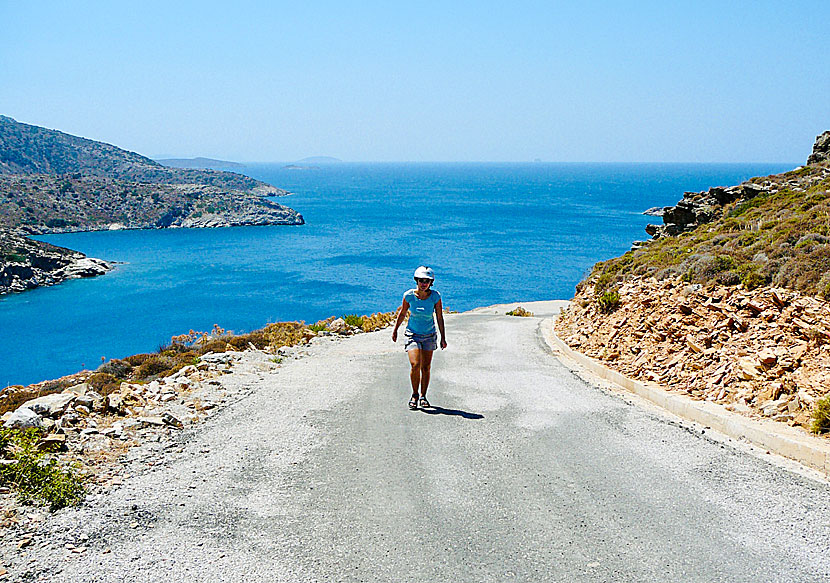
(520, 312)
(354, 320)
(821, 416)
(608, 301)
(35, 475)
(779, 237)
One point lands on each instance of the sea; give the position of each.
(493, 233)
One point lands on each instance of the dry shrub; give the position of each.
(104, 383)
(154, 366)
(116, 367)
(284, 333)
(377, 321)
(138, 359)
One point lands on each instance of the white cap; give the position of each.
(424, 272)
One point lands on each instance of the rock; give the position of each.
(338, 326)
(50, 405)
(821, 149)
(84, 401)
(23, 418)
(116, 404)
(171, 420)
(747, 369)
(52, 442)
(767, 357)
(79, 390)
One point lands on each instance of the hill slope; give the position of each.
(721, 304)
(28, 149)
(52, 182)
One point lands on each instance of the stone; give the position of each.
(338, 326)
(24, 418)
(767, 357)
(170, 419)
(821, 149)
(78, 390)
(52, 442)
(115, 403)
(50, 405)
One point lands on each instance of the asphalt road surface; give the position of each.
(521, 472)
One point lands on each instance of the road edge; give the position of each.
(785, 441)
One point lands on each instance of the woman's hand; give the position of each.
(395, 335)
(443, 344)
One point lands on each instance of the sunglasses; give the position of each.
(422, 280)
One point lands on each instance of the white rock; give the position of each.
(50, 405)
(24, 418)
(339, 325)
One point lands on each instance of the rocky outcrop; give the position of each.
(762, 353)
(821, 149)
(698, 208)
(27, 264)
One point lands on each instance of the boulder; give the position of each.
(23, 418)
(116, 404)
(821, 149)
(50, 405)
(338, 326)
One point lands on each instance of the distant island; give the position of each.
(204, 163)
(53, 182)
(318, 160)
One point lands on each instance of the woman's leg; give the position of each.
(425, 364)
(415, 368)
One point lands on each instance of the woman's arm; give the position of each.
(401, 315)
(439, 317)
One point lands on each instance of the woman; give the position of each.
(421, 303)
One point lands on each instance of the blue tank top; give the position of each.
(421, 312)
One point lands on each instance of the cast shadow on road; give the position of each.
(453, 412)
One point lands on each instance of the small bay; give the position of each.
(493, 233)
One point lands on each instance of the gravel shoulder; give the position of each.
(523, 471)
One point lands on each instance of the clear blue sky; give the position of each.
(468, 81)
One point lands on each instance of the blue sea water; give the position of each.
(492, 232)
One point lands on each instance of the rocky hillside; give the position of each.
(728, 301)
(38, 203)
(28, 149)
(52, 182)
(26, 264)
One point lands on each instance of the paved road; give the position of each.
(522, 472)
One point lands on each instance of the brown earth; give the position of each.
(762, 353)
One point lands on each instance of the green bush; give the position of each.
(604, 281)
(753, 279)
(354, 320)
(821, 416)
(609, 301)
(35, 475)
(317, 327)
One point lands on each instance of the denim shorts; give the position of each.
(422, 341)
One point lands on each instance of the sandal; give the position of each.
(413, 402)
(423, 403)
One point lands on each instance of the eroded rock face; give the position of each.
(821, 149)
(27, 264)
(764, 352)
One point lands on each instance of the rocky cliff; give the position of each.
(27, 264)
(729, 300)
